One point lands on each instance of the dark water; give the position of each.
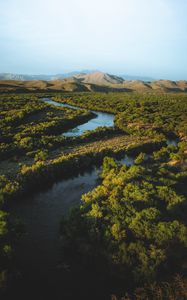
(38, 253)
(172, 142)
(102, 119)
(41, 214)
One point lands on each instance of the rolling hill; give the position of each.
(95, 81)
(26, 77)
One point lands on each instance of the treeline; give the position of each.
(132, 228)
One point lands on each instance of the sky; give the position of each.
(134, 37)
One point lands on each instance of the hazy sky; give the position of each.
(140, 37)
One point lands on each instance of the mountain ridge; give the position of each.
(93, 81)
(26, 77)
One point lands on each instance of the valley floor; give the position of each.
(130, 222)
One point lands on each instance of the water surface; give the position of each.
(101, 119)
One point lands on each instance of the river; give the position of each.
(38, 253)
(101, 119)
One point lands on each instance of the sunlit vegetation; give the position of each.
(42, 171)
(27, 124)
(134, 221)
(139, 113)
(131, 229)
(33, 150)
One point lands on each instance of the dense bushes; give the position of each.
(176, 289)
(43, 171)
(131, 229)
(138, 113)
(133, 222)
(9, 234)
(26, 123)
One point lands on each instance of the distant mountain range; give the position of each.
(86, 81)
(26, 77)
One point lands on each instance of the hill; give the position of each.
(26, 77)
(99, 78)
(92, 82)
(13, 76)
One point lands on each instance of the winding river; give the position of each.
(38, 253)
(101, 119)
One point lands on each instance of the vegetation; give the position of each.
(138, 113)
(9, 235)
(134, 222)
(28, 124)
(131, 229)
(176, 289)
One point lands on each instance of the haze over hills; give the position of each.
(26, 77)
(14, 76)
(91, 81)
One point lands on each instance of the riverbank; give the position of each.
(40, 256)
(32, 178)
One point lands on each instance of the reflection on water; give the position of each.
(38, 253)
(172, 142)
(41, 215)
(127, 160)
(101, 119)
